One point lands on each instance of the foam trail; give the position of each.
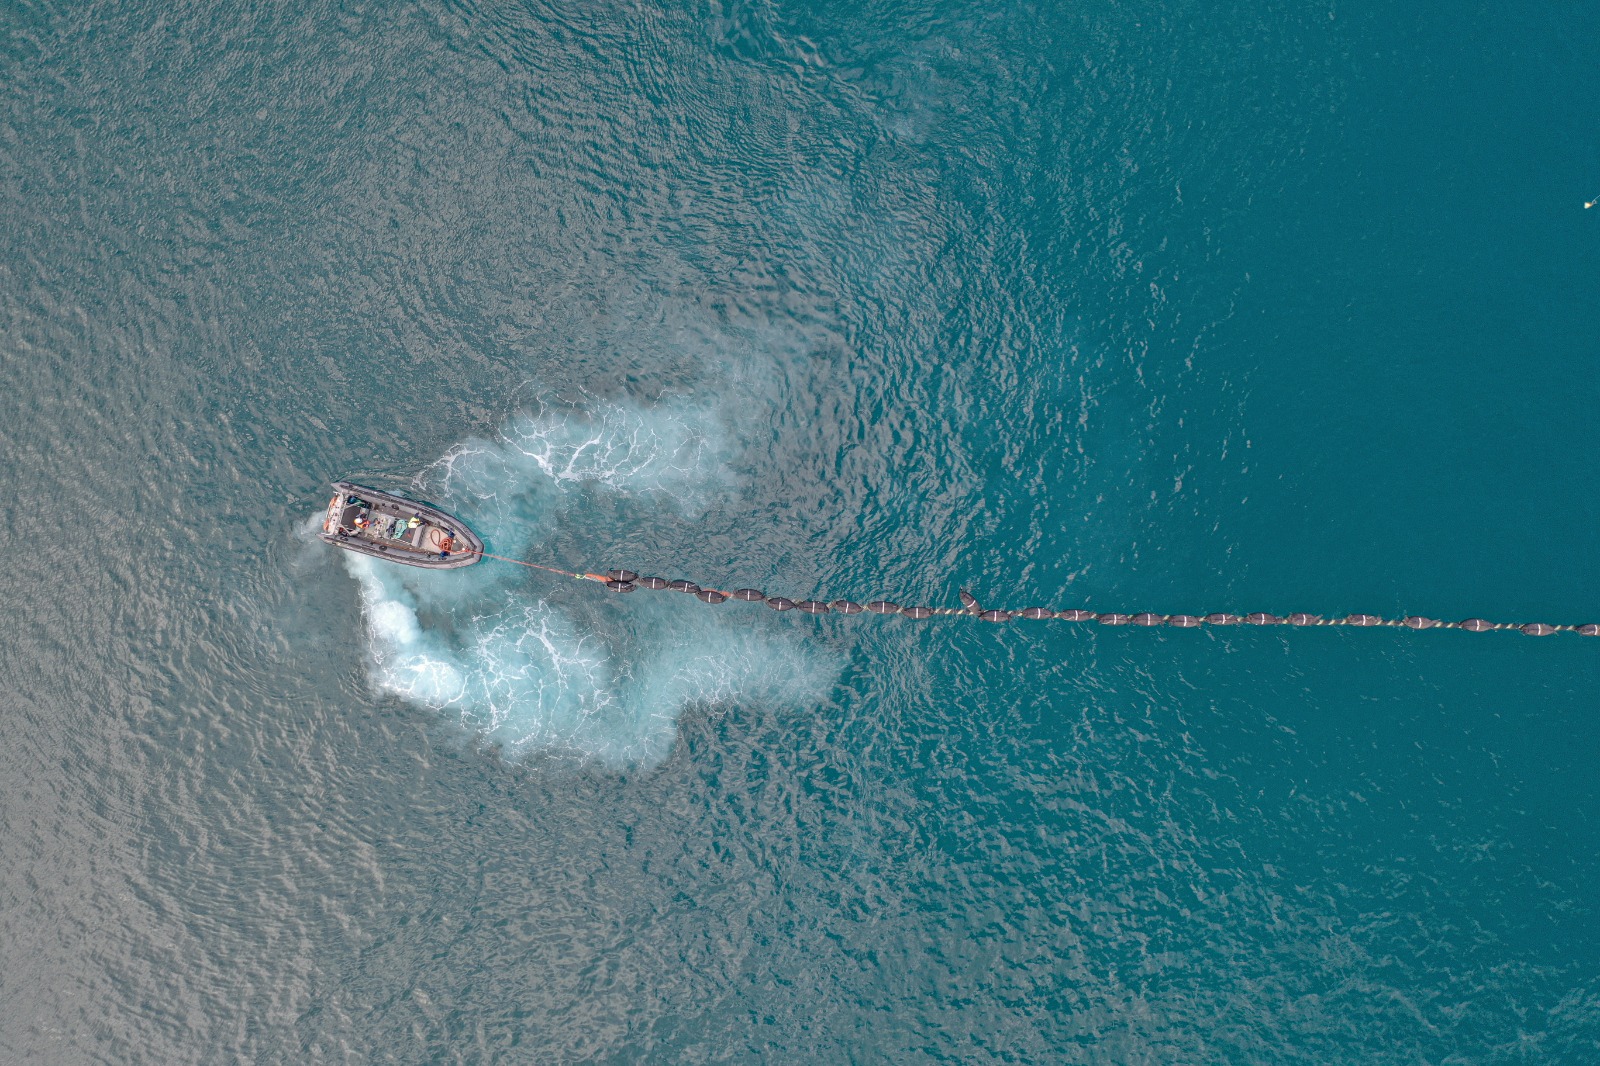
(519, 488)
(588, 675)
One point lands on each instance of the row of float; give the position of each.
(627, 581)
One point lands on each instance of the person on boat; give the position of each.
(414, 523)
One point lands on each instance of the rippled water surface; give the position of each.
(1161, 306)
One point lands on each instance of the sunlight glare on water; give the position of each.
(1160, 306)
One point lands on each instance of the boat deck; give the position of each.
(377, 523)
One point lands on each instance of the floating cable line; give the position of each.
(628, 581)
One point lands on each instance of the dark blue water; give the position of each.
(1158, 306)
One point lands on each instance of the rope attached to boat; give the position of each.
(536, 566)
(627, 581)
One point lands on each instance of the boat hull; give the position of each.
(439, 542)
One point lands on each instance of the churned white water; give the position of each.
(531, 662)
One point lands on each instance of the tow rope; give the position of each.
(628, 581)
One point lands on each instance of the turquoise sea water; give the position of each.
(1152, 306)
